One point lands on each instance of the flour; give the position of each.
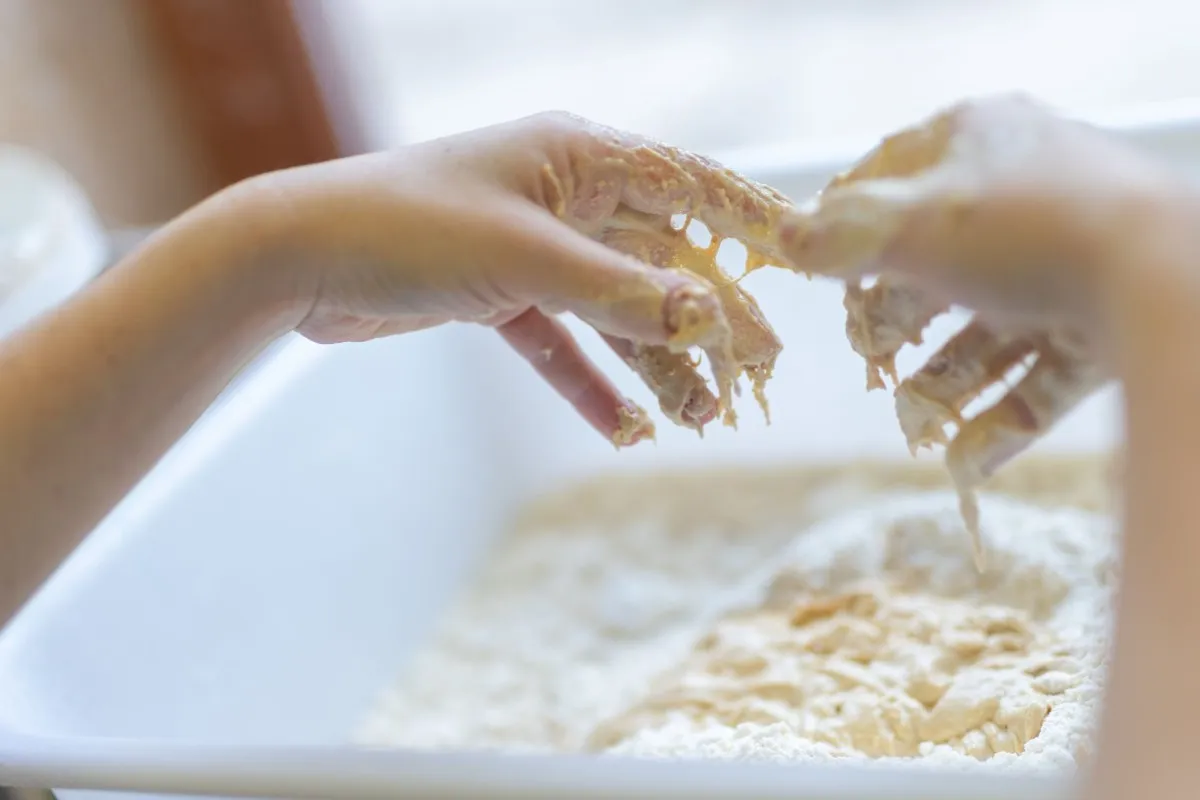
(867, 636)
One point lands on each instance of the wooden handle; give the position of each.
(250, 77)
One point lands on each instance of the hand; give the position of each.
(510, 225)
(999, 205)
(1079, 251)
(504, 227)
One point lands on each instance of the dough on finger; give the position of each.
(551, 350)
(882, 319)
(683, 394)
(907, 152)
(670, 373)
(624, 190)
(1064, 375)
(936, 394)
(663, 180)
(754, 346)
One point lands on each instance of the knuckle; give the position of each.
(558, 123)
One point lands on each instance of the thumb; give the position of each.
(1010, 248)
(557, 268)
(867, 226)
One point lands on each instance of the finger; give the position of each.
(654, 241)
(611, 168)
(882, 319)
(1061, 378)
(683, 394)
(755, 346)
(936, 394)
(847, 232)
(549, 347)
(681, 390)
(754, 341)
(730, 205)
(552, 266)
(876, 225)
(856, 229)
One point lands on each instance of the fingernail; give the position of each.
(693, 318)
(633, 425)
(700, 409)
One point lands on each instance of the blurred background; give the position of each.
(151, 104)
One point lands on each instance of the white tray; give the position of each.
(226, 628)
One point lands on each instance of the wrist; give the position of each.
(242, 236)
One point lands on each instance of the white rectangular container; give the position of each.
(226, 628)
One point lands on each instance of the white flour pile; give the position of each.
(869, 636)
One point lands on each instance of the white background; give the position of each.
(719, 74)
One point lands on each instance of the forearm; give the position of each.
(1154, 694)
(93, 394)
